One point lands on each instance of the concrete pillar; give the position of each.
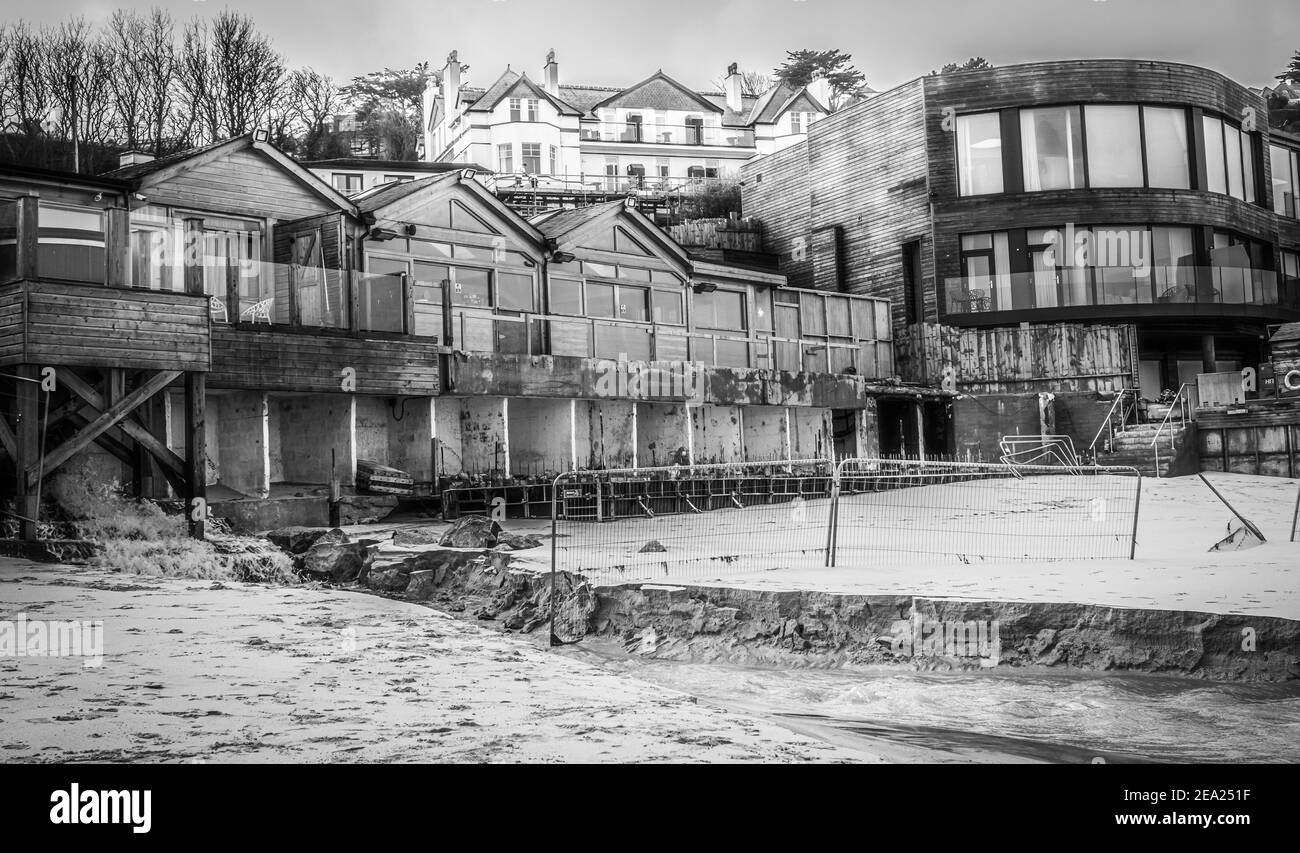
(920, 429)
(1207, 354)
(28, 435)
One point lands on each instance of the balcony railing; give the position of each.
(615, 184)
(645, 133)
(1119, 286)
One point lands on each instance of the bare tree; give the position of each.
(79, 66)
(145, 78)
(312, 101)
(27, 98)
(752, 83)
(231, 76)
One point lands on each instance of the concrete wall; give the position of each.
(717, 433)
(661, 433)
(765, 433)
(236, 437)
(540, 435)
(307, 429)
(446, 428)
(482, 429)
(607, 432)
(811, 435)
(410, 439)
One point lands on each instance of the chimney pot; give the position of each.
(551, 75)
(133, 158)
(735, 102)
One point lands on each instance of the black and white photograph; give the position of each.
(747, 382)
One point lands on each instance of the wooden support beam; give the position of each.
(196, 457)
(109, 418)
(8, 441)
(170, 462)
(118, 244)
(28, 447)
(28, 237)
(193, 255)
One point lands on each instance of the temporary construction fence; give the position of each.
(707, 522)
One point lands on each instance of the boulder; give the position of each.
(652, 547)
(421, 585)
(418, 536)
(391, 577)
(299, 540)
(336, 562)
(471, 531)
(517, 542)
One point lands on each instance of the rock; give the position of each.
(652, 547)
(471, 531)
(517, 542)
(419, 536)
(421, 585)
(366, 509)
(392, 577)
(336, 562)
(299, 540)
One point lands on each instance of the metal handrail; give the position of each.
(1107, 425)
(1179, 402)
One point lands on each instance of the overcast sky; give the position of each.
(617, 42)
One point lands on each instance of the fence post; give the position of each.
(1295, 516)
(555, 495)
(1137, 502)
(832, 521)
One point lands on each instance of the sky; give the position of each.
(618, 42)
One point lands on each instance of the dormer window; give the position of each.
(533, 108)
(516, 109)
(796, 124)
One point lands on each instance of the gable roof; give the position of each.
(507, 84)
(778, 100)
(392, 166)
(659, 92)
(375, 200)
(568, 227)
(144, 174)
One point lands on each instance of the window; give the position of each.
(532, 157)
(427, 282)
(381, 305)
(721, 309)
(471, 288)
(515, 292)
(1229, 161)
(1052, 148)
(71, 244)
(532, 109)
(632, 133)
(619, 302)
(796, 124)
(1286, 180)
(1114, 146)
(1168, 158)
(516, 111)
(566, 296)
(984, 263)
(979, 154)
(505, 158)
(555, 160)
(348, 183)
(1290, 284)
(668, 307)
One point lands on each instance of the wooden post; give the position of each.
(1208, 357)
(28, 237)
(920, 430)
(193, 255)
(29, 447)
(118, 245)
(196, 474)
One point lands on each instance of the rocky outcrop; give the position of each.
(299, 540)
(821, 629)
(471, 531)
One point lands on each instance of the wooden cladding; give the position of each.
(1032, 358)
(47, 322)
(279, 360)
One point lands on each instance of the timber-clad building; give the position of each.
(227, 327)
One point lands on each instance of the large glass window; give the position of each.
(1286, 179)
(1168, 159)
(979, 154)
(985, 263)
(1114, 146)
(532, 157)
(1052, 147)
(566, 296)
(427, 282)
(380, 303)
(505, 158)
(71, 244)
(471, 288)
(1229, 160)
(721, 309)
(515, 292)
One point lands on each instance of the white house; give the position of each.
(654, 134)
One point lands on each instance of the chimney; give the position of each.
(734, 102)
(551, 75)
(133, 158)
(451, 83)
